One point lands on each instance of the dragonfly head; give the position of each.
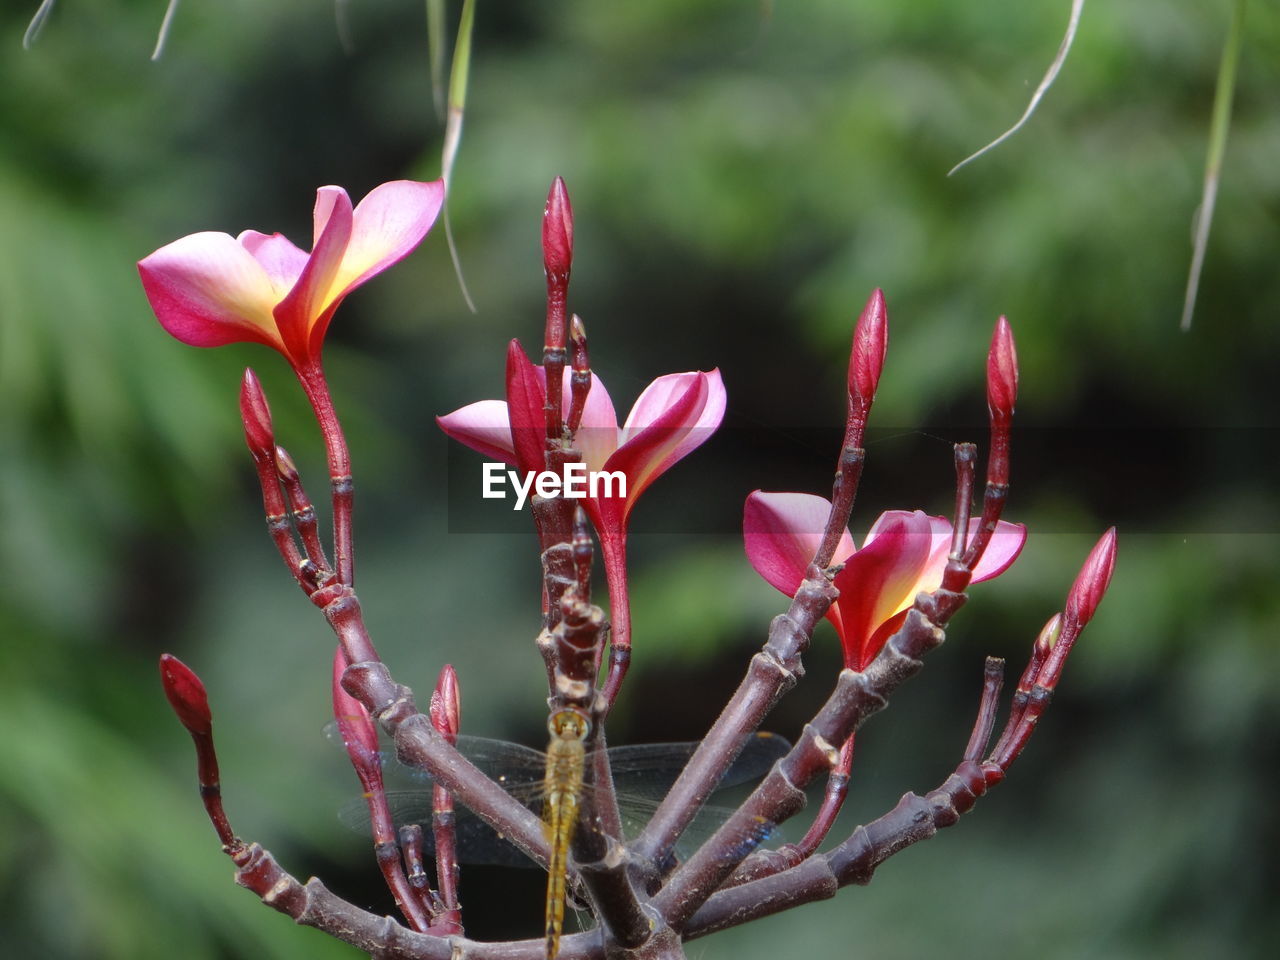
(569, 724)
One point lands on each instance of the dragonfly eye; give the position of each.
(568, 725)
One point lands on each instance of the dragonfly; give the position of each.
(642, 775)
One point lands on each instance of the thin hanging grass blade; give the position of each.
(1077, 7)
(1219, 125)
(435, 53)
(162, 38)
(342, 24)
(458, 76)
(36, 24)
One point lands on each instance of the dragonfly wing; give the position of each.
(476, 841)
(649, 769)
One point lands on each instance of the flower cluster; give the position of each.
(889, 601)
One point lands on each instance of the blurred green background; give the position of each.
(743, 174)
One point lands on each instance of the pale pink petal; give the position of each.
(484, 427)
(1006, 543)
(881, 580)
(707, 422)
(386, 226)
(658, 397)
(646, 454)
(207, 290)
(305, 308)
(281, 258)
(782, 532)
(597, 435)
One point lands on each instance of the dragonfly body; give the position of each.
(566, 760)
(641, 775)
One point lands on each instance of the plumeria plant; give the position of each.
(889, 601)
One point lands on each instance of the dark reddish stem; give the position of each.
(1055, 643)
(774, 670)
(866, 361)
(984, 723)
(613, 550)
(316, 388)
(580, 381)
(260, 438)
(1002, 392)
(361, 741)
(302, 511)
(411, 843)
(965, 455)
(832, 801)
(1022, 693)
(190, 701)
(446, 717)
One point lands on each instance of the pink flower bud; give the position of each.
(1002, 372)
(557, 232)
(186, 695)
(1094, 578)
(285, 467)
(1049, 634)
(258, 432)
(445, 709)
(870, 341)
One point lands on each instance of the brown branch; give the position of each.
(856, 697)
(771, 672)
(313, 905)
(914, 819)
(420, 745)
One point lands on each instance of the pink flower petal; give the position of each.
(303, 311)
(708, 421)
(597, 435)
(386, 226)
(782, 532)
(207, 290)
(282, 259)
(645, 455)
(484, 427)
(1006, 543)
(881, 580)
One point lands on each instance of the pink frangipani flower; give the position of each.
(904, 553)
(210, 289)
(674, 415)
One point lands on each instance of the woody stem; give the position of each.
(316, 388)
(613, 550)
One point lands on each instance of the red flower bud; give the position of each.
(285, 467)
(354, 724)
(446, 709)
(870, 341)
(1094, 578)
(258, 432)
(1002, 372)
(186, 695)
(1049, 634)
(557, 232)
